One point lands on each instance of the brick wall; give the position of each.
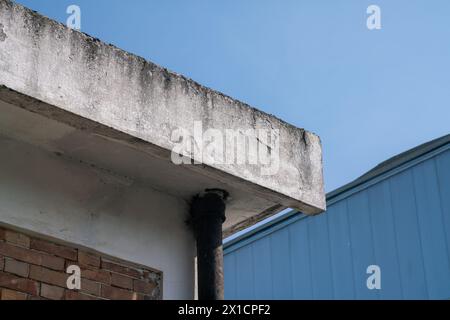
(34, 269)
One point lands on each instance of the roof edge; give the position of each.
(416, 154)
(391, 163)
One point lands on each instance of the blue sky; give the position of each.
(368, 94)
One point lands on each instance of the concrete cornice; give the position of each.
(70, 77)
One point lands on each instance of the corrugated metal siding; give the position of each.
(401, 223)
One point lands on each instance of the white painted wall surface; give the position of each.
(62, 198)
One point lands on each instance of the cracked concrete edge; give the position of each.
(74, 121)
(45, 60)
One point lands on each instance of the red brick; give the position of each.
(52, 292)
(13, 295)
(146, 297)
(97, 275)
(55, 249)
(16, 267)
(19, 284)
(112, 293)
(17, 238)
(112, 266)
(90, 287)
(88, 259)
(48, 276)
(51, 262)
(2, 234)
(2, 263)
(36, 298)
(31, 257)
(75, 295)
(145, 287)
(121, 281)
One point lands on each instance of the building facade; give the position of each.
(395, 217)
(92, 173)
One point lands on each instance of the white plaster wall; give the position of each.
(62, 198)
(43, 59)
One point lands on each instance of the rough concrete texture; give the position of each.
(114, 89)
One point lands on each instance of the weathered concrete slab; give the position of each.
(107, 99)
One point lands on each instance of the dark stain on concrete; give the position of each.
(3, 35)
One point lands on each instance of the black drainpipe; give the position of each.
(208, 215)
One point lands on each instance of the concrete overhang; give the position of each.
(88, 101)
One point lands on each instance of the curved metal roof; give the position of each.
(392, 163)
(381, 169)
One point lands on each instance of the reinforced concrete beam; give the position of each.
(73, 94)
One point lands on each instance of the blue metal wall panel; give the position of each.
(300, 260)
(408, 236)
(400, 223)
(245, 284)
(341, 251)
(229, 265)
(362, 243)
(432, 232)
(322, 277)
(263, 269)
(442, 162)
(281, 265)
(385, 244)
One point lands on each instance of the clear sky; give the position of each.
(369, 94)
